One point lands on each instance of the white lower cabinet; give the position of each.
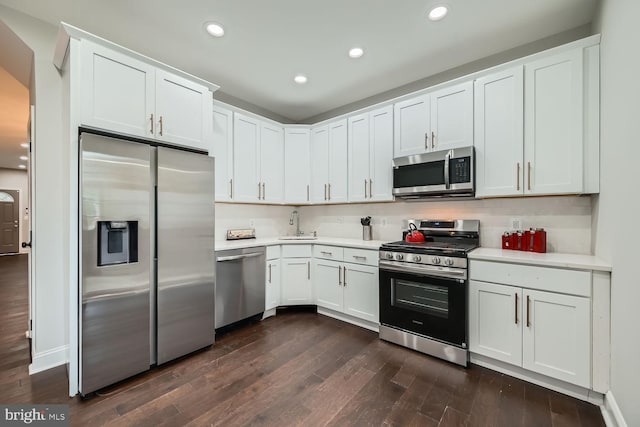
(544, 332)
(296, 286)
(272, 285)
(328, 277)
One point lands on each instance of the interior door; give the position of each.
(9, 221)
(185, 253)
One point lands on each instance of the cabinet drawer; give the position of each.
(273, 252)
(328, 252)
(558, 280)
(361, 256)
(296, 251)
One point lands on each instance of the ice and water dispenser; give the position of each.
(117, 242)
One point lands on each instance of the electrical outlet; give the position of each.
(515, 224)
(252, 223)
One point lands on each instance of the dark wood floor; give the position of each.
(298, 368)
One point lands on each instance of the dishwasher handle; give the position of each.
(235, 257)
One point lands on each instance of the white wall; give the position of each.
(567, 220)
(618, 206)
(51, 183)
(13, 179)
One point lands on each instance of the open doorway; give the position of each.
(16, 99)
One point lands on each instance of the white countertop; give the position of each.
(271, 241)
(574, 261)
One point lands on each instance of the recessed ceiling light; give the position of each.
(356, 52)
(300, 79)
(24, 158)
(438, 12)
(22, 166)
(24, 145)
(214, 29)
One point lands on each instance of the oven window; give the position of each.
(421, 297)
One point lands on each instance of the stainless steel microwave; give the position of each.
(447, 173)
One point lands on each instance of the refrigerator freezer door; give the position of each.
(186, 266)
(114, 315)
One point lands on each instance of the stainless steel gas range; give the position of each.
(423, 288)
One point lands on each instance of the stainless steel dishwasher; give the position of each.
(240, 287)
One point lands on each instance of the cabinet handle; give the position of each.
(307, 192)
(518, 177)
(309, 270)
(433, 139)
(365, 188)
(426, 140)
(529, 175)
(263, 192)
(528, 319)
(370, 187)
(515, 306)
(259, 194)
(151, 120)
(329, 186)
(339, 275)
(325, 191)
(231, 188)
(160, 125)
(344, 277)
(269, 273)
(326, 253)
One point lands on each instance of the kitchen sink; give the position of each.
(297, 238)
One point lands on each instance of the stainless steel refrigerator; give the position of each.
(147, 279)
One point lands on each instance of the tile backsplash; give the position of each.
(567, 219)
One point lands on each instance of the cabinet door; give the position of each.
(327, 277)
(411, 126)
(359, 158)
(118, 92)
(183, 111)
(272, 163)
(499, 133)
(381, 154)
(452, 117)
(272, 288)
(296, 165)
(222, 150)
(495, 321)
(553, 124)
(556, 338)
(246, 157)
(295, 286)
(338, 162)
(319, 164)
(361, 295)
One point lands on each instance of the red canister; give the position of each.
(519, 240)
(506, 240)
(537, 240)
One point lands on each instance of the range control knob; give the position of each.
(448, 261)
(417, 258)
(435, 260)
(399, 257)
(389, 256)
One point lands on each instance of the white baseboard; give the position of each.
(375, 327)
(611, 412)
(48, 359)
(268, 313)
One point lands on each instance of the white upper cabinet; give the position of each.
(122, 94)
(320, 164)
(359, 158)
(554, 124)
(452, 117)
(297, 165)
(117, 91)
(272, 163)
(499, 133)
(246, 159)
(412, 127)
(329, 153)
(222, 150)
(439, 120)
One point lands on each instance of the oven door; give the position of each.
(430, 301)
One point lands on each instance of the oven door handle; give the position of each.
(426, 270)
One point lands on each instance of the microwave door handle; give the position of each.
(447, 158)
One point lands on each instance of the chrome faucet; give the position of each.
(297, 217)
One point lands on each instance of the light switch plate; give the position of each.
(515, 224)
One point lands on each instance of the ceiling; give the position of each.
(268, 42)
(14, 120)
